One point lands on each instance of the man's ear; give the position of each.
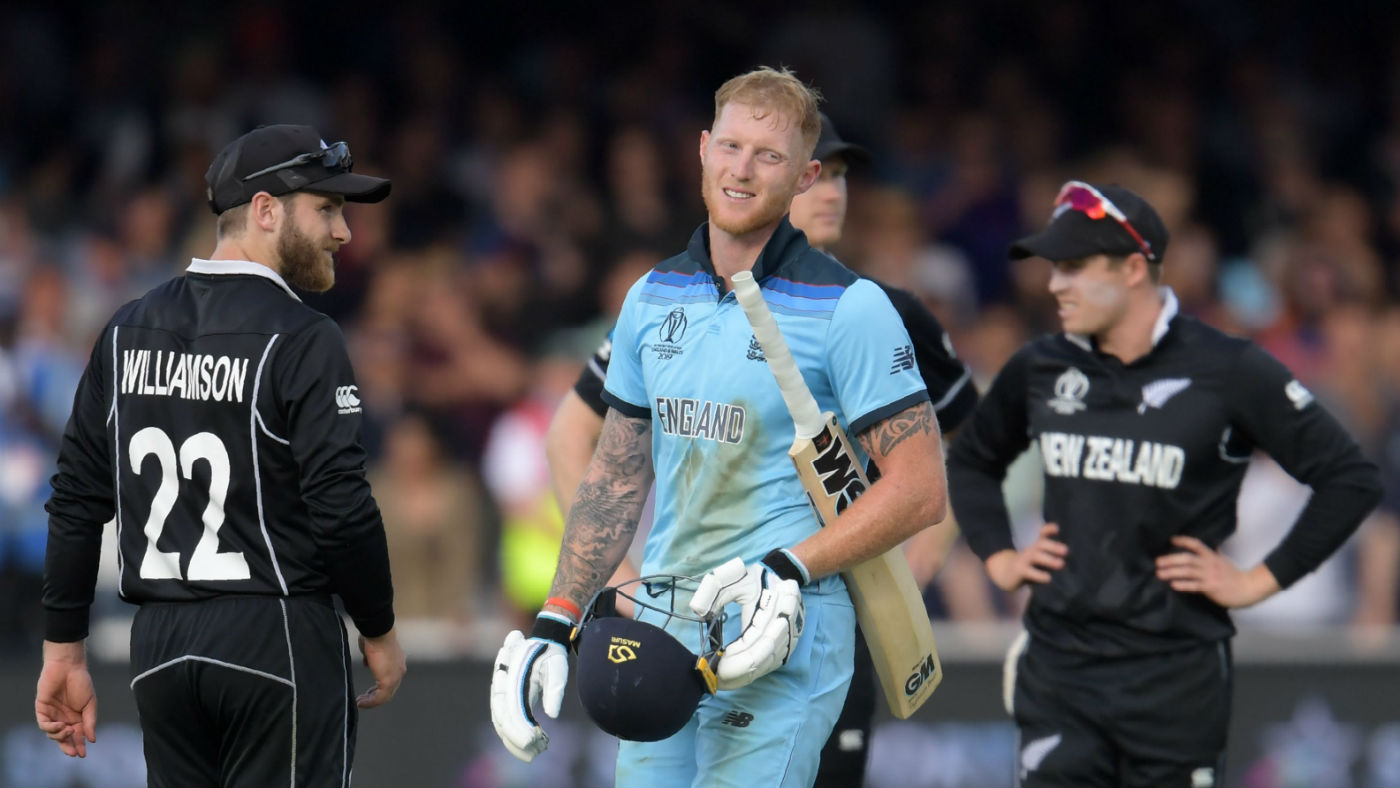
(704, 141)
(1137, 269)
(810, 171)
(265, 211)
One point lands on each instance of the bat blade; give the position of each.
(888, 604)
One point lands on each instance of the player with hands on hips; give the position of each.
(1196, 569)
(1145, 420)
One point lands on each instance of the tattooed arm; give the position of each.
(911, 494)
(604, 514)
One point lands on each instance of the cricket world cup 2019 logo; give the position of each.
(670, 333)
(1070, 389)
(673, 327)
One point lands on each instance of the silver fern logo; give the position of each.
(1156, 393)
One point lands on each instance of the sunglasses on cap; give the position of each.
(1080, 196)
(335, 156)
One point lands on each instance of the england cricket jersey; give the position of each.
(684, 356)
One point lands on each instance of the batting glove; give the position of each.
(770, 609)
(528, 671)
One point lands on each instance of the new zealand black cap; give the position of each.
(282, 159)
(830, 144)
(1073, 233)
(635, 680)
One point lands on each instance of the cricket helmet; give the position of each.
(636, 680)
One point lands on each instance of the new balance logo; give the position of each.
(1156, 393)
(737, 719)
(346, 400)
(903, 360)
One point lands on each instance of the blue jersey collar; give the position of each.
(788, 243)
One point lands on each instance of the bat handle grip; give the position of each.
(806, 415)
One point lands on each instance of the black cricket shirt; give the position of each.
(1134, 454)
(218, 421)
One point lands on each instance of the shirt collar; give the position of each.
(1170, 307)
(238, 267)
(786, 243)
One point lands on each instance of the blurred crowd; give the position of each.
(545, 156)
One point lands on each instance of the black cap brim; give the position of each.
(852, 153)
(355, 187)
(1071, 236)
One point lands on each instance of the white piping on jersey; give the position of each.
(345, 727)
(1170, 306)
(244, 267)
(267, 431)
(212, 661)
(292, 666)
(1225, 455)
(117, 461)
(953, 390)
(257, 473)
(1008, 671)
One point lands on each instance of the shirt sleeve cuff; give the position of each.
(372, 626)
(65, 626)
(626, 408)
(859, 425)
(1284, 569)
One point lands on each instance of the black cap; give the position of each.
(268, 146)
(635, 680)
(1072, 233)
(830, 144)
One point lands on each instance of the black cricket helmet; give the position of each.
(635, 680)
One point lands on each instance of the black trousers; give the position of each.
(1153, 720)
(244, 691)
(846, 752)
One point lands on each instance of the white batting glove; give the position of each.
(528, 671)
(770, 609)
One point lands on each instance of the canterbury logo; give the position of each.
(620, 654)
(346, 400)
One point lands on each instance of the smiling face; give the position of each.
(1092, 293)
(312, 231)
(820, 212)
(753, 162)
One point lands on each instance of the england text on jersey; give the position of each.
(165, 373)
(692, 418)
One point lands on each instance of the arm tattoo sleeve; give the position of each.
(609, 501)
(881, 438)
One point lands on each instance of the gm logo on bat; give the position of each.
(918, 676)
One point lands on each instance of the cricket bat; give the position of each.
(888, 604)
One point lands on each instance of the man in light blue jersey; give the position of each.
(692, 401)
